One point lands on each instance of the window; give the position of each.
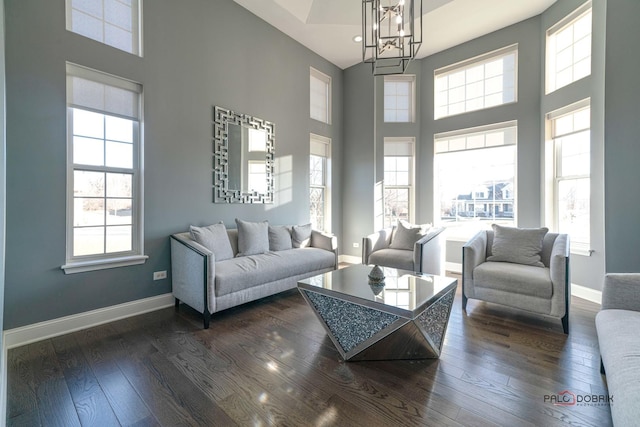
(104, 182)
(481, 82)
(116, 23)
(319, 182)
(398, 180)
(569, 49)
(320, 96)
(570, 130)
(475, 177)
(399, 98)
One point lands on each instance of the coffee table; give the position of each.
(405, 319)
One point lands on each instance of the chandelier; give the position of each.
(391, 35)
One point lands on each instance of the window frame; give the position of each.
(315, 142)
(411, 143)
(326, 80)
(400, 78)
(550, 55)
(82, 263)
(467, 65)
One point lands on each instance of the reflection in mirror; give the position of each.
(243, 158)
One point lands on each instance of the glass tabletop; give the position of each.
(402, 289)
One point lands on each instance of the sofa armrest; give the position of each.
(474, 253)
(621, 291)
(374, 242)
(192, 273)
(559, 273)
(326, 241)
(428, 253)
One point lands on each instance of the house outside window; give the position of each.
(104, 182)
(398, 180)
(569, 49)
(478, 83)
(319, 179)
(475, 172)
(399, 98)
(570, 131)
(320, 96)
(117, 23)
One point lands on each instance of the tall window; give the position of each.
(399, 97)
(398, 180)
(569, 49)
(475, 176)
(104, 183)
(319, 182)
(116, 23)
(478, 83)
(320, 96)
(570, 130)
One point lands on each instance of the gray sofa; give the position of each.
(425, 256)
(210, 285)
(618, 324)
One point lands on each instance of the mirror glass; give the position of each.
(243, 158)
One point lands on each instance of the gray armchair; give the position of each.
(542, 288)
(426, 256)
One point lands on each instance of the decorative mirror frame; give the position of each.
(222, 117)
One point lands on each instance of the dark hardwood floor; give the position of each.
(270, 363)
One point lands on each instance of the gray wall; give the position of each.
(196, 54)
(3, 361)
(622, 136)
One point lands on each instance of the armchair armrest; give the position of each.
(621, 291)
(428, 254)
(559, 273)
(327, 241)
(374, 242)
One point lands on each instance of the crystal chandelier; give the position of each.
(391, 35)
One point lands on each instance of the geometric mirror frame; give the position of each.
(243, 158)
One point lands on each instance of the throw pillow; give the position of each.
(517, 245)
(301, 235)
(214, 238)
(279, 238)
(406, 235)
(253, 237)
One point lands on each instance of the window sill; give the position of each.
(583, 251)
(102, 264)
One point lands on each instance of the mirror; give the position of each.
(243, 153)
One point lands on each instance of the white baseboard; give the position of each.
(586, 293)
(51, 328)
(350, 259)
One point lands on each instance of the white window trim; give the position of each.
(327, 80)
(568, 20)
(551, 184)
(327, 176)
(412, 172)
(136, 255)
(411, 78)
(476, 60)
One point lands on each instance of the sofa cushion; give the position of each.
(514, 278)
(253, 237)
(517, 245)
(279, 238)
(301, 235)
(245, 272)
(405, 235)
(620, 349)
(215, 238)
(395, 258)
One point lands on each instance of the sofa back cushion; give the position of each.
(253, 237)
(301, 235)
(279, 238)
(215, 238)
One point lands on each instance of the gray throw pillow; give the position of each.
(214, 238)
(517, 245)
(253, 237)
(301, 235)
(279, 238)
(406, 235)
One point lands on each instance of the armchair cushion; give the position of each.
(406, 235)
(517, 245)
(516, 278)
(399, 258)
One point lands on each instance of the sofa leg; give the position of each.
(565, 323)
(602, 367)
(177, 304)
(207, 318)
(464, 302)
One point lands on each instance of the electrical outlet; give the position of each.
(158, 275)
(356, 244)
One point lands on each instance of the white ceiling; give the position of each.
(327, 27)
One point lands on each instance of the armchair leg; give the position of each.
(207, 318)
(177, 304)
(464, 301)
(565, 323)
(602, 367)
